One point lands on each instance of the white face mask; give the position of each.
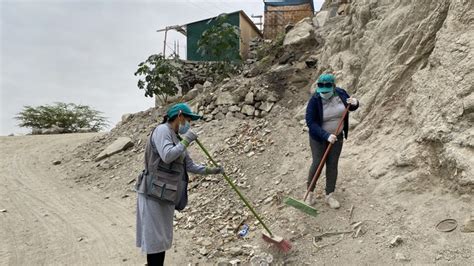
(326, 95)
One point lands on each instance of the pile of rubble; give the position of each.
(254, 46)
(198, 72)
(240, 103)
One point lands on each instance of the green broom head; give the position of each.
(301, 206)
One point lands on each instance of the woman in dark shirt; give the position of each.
(324, 110)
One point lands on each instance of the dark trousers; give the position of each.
(317, 150)
(156, 259)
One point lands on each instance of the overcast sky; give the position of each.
(86, 51)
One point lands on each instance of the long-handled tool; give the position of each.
(301, 205)
(267, 235)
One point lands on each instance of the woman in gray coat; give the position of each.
(165, 149)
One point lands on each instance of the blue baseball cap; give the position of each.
(182, 108)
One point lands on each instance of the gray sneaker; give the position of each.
(310, 200)
(332, 201)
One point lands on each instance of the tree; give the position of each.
(221, 41)
(160, 76)
(68, 116)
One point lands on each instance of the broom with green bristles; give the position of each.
(300, 205)
(267, 235)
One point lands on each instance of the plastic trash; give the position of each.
(244, 231)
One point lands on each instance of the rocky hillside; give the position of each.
(410, 63)
(409, 157)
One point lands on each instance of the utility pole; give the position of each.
(164, 43)
(260, 24)
(178, 28)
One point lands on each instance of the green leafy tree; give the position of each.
(69, 116)
(221, 41)
(160, 76)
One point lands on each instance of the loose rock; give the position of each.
(468, 226)
(248, 110)
(117, 146)
(249, 98)
(396, 241)
(400, 257)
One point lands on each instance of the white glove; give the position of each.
(352, 101)
(332, 138)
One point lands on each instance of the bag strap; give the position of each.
(155, 150)
(153, 147)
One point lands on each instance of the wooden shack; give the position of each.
(247, 28)
(279, 13)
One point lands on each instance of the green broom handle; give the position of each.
(234, 187)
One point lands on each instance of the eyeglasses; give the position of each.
(325, 85)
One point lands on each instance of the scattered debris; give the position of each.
(350, 213)
(56, 162)
(400, 257)
(235, 251)
(235, 262)
(319, 238)
(396, 241)
(203, 251)
(447, 225)
(262, 259)
(244, 231)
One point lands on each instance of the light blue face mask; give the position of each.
(326, 95)
(184, 128)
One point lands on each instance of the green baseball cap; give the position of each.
(182, 108)
(325, 79)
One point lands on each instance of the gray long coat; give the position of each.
(155, 218)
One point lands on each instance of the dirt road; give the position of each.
(50, 221)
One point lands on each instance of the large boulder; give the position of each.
(191, 94)
(302, 32)
(226, 98)
(117, 146)
(321, 18)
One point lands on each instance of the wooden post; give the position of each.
(164, 45)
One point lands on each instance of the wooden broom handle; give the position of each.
(323, 160)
